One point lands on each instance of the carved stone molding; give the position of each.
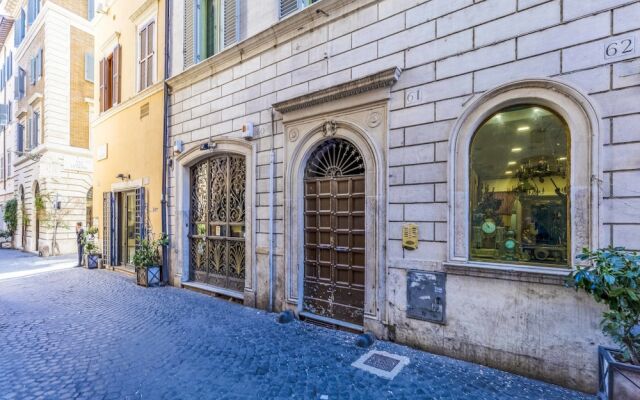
(374, 119)
(293, 134)
(378, 80)
(329, 128)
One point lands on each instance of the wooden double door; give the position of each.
(334, 233)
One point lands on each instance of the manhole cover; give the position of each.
(381, 363)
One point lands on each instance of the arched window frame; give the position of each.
(584, 126)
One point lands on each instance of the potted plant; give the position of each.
(612, 276)
(147, 260)
(90, 248)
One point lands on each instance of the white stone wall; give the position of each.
(450, 51)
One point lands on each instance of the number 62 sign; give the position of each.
(619, 48)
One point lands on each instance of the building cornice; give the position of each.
(283, 31)
(385, 78)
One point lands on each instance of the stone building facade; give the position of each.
(426, 170)
(48, 49)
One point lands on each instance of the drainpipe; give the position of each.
(272, 164)
(165, 137)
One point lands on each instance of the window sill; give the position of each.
(518, 273)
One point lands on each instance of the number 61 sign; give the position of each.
(619, 48)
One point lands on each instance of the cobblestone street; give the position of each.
(94, 334)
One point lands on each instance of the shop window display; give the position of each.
(519, 188)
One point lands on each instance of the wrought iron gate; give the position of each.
(334, 230)
(217, 222)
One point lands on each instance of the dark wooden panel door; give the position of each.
(334, 250)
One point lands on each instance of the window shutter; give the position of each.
(16, 88)
(288, 7)
(189, 31)
(150, 52)
(39, 64)
(102, 85)
(91, 9)
(36, 129)
(10, 66)
(23, 82)
(20, 138)
(117, 52)
(32, 72)
(231, 23)
(89, 68)
(142, 76)
(31, 10)
(140, 229)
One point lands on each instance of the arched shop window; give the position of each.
(519, 190)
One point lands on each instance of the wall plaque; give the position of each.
(426, 296)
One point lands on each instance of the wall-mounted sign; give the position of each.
(77, 163)
(410, 236)
(102, 152)
(426, 295)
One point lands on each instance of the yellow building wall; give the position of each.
(133, 142)
(134, 147)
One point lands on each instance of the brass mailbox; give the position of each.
(410, 236)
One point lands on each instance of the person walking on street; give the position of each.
(79, 239)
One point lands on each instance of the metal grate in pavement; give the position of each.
(381, 363)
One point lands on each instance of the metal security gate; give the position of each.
(334, 234)
(217, 222)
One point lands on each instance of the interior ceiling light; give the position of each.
(516, 150)
(562, 158)
(508, 172)
(524, 128)
(511, 163)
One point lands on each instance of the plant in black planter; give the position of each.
(90, 248)
(612, 277)
(147, 260)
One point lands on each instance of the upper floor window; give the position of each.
(36, 67)
(20, 84)
(290, 6)
(34, 130)
(110, 79)
(88, 67)
(146, 52)
(519, 188)
(20, 137)
(91, 9)
(8, 68)
(20, 28)
(33, 9)
(216, 26)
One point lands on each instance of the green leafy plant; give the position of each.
(91, 248)
(11, 215)
(148, 253)
(612, 277)
(5, 235)
(40, 203)
(89, 241)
